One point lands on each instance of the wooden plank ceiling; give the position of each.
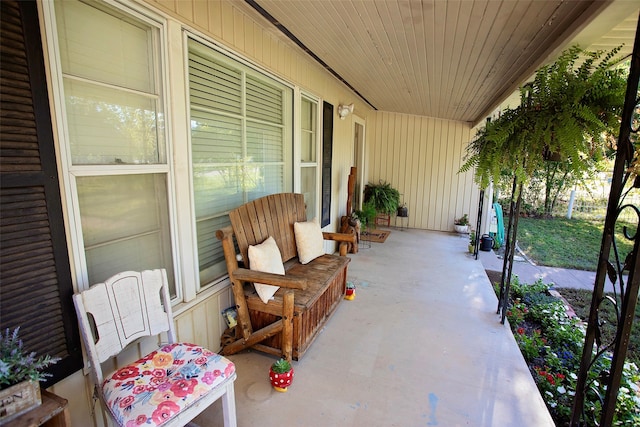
(453, 59)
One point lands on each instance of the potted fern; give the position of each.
(366, 215)
(281, 375)
(20, 373)
(383, 196)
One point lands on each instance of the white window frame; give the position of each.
(71, 172)
(298, 163)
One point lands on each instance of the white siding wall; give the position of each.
(421, 156)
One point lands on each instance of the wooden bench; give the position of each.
(308, 295)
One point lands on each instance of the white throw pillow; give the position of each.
(308, 240)
(266, 257)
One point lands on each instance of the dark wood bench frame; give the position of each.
(308, 295)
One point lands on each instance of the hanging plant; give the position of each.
(568, 109)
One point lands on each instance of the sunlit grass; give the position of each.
(567, 243)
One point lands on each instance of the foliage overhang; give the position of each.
(572, 108)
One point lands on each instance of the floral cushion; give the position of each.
(155, 388)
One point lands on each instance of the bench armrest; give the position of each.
(346, 240)
(290, 281)
(339, 237)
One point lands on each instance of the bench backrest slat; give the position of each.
(272, 215)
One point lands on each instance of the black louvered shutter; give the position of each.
(35, 277)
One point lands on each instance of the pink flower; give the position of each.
(521, 331)
(140, 419)
(126, 372)
(208, 378)
(127, 401)
(183, 388)
(159, 373)
(164, 411)
(139, 389)
(201, 360)
(230, 369)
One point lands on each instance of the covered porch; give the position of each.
(420, 345)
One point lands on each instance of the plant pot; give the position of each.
(280, 382)
(462, 229)
(472, 248)
(18, 399)
(403, 212)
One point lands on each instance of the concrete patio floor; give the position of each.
(421, 345)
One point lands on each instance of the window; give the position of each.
(309, 154)
(241, 143)
(116, 156)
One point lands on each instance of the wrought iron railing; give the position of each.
(621, 269)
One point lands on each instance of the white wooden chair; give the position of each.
(169, 386)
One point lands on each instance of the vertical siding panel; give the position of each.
(422, 203)
(394, 147)
(248, 36)
(238, 30)
(201, 13)
(410, 145)
(168, 4)
(258, 37)
(389, 144)
(212, 311)
(215, 18)
(433, 187)
(185, 9)
(266, 49)
(184, 327)
(437, 187)
(199, 317)
(385, 167)
(449, 196)
(462, 201)
(274, 49)
(384, 127)
(226, 17)
(415, 203)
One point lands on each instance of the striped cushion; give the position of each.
(157, 387)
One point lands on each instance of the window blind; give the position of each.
(240, 144)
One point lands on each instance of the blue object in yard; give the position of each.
(499, 237)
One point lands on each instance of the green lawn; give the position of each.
(566, 243)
